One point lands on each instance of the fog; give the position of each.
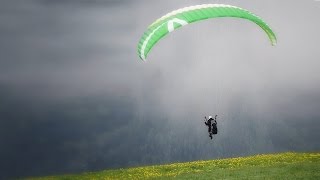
(75, 97)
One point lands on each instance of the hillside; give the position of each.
(269, 166)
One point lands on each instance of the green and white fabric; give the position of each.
(187, 15)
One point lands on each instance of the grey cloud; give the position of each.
(75, 97)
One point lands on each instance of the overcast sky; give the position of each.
(75, 97)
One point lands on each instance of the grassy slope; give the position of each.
(271, 166)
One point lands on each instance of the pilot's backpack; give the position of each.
(214, 129)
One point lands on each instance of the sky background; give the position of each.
(75, 97)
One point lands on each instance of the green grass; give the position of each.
(269, 166)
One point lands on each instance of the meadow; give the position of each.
(288, 165)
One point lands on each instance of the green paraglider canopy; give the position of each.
(187, 15)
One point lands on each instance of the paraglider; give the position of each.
(187, 15)
(212, 125)
(182, 17)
